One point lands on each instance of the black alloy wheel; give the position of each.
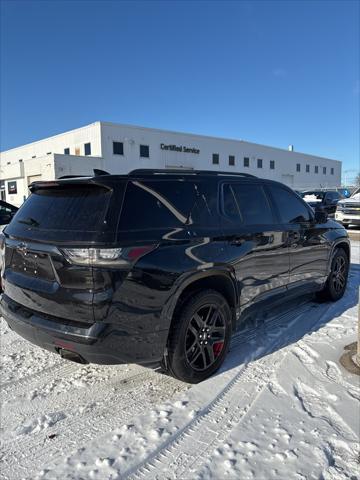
(205, 337)
(200, 336)
(335, 285)
(339, 274)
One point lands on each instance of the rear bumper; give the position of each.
(100, 342)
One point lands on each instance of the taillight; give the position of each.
(112, 257)
(2, 241)
(2, 259)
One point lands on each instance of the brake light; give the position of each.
(2, 259)
(115, 257)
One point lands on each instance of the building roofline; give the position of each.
(137, 127)
(214, 137)
(51, 136)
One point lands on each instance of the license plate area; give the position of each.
(33, 264)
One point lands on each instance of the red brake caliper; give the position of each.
(217, 347)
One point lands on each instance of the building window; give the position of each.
(118, 148)
(272, 164)
(215, 158)
(144, 151)
(66, 151)
(324, 170)
(332, 171)
(259, 162)
(246, 162)
(87, 148)
(316, 169)
(298, 167)
(231, 160)
(307, 168)
(12, 187)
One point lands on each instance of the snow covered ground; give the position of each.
(282, 407)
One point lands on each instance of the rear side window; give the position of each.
(291, 209)
(247, 204)
(163, 204)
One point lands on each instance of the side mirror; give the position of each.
(320, 216)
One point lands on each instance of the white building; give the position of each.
(122, 148)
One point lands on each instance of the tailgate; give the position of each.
(59, 215)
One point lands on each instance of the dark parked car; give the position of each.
(161, 267)
(323, 199)
(7, 211)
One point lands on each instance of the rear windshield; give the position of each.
(64, 213)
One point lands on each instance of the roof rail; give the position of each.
(181, 171)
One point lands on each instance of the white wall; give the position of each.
(56, 144)
(48, 167)
(37, 159)
(285, 161)
(23, 173)
(18, 164)
(73, 165)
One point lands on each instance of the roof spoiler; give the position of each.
(97, 173)
(70, 180)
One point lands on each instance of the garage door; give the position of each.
(33, 178)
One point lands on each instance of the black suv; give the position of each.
(323, 199)
(160, 267)
(7, 211)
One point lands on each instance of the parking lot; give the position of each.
(281, 404)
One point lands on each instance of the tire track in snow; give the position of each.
(208, 430)
(188, 449)
(61, 391)
(24, 456)
(21, 384)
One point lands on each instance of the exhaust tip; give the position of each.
(72, 356)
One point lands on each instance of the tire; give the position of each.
(346, 225)
(200, 337)
(336, 282)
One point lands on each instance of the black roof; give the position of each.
(106, 179)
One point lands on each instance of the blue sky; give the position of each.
(272, 72)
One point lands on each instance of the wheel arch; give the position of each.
(343, 243)
(221, 281)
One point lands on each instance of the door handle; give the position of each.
(237, 241)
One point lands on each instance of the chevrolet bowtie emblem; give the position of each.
(22, 247)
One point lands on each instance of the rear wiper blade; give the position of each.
(30, 221)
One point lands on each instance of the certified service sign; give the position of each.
(179, 148)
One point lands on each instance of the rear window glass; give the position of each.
(164, 204)
(68, 213)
